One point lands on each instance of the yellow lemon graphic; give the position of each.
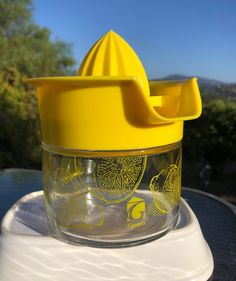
(165, 189)
(136, 212)
(116, 178)
(71, 203)
(79, 166)
(80, 212)
(63, 181)
(65, 196)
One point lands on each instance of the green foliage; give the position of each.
(14, 15)
(19, 137)
(210, 150)
(27, 46)
(25, 51)
(213, 136)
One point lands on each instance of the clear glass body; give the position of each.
(112, 199)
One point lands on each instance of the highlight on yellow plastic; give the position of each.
(111, 106)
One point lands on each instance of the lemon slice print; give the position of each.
(71, 203)
(165, 189)
(65, 197)
(79, 212)
(116, 178)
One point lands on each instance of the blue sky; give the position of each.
(187, 37)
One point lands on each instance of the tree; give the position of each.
(25, 51)
(212, 137)
(209, 149)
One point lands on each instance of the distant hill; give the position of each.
(201, 80)
(210, 88)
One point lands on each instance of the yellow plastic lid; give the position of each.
(111, 105)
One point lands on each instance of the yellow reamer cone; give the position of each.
(111, 105)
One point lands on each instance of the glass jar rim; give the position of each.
(110, 153)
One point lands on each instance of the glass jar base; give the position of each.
(70, 238)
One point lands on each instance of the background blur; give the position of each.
(174, 40)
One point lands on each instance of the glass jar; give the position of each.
(112, 198)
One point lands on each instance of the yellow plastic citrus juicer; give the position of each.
(112, 148)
